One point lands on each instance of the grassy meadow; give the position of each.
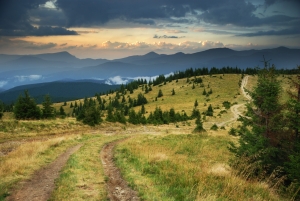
(165, 162)
(186, 167)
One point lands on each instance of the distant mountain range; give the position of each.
(18, 70)
(59, 91)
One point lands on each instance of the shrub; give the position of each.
(214, 127)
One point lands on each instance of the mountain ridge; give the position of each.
(63, 65)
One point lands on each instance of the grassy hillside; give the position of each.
(224, 87)
(165, 162)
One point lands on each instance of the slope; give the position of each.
(59, 91)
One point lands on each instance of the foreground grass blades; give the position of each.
(83, 177)
(21, 163)
(185, 167)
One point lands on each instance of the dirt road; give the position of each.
(235, 108)
(118, 189)
(243, 85)
(41, 185)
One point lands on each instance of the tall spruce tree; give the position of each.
(261, 131)
(26, 108)
(292, 166)
(48, 110)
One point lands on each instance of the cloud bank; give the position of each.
(49, 17)
(22, 78)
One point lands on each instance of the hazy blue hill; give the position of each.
(139, 58)
(90, 62)
(59, 91)
(6, 58)
(58, 56)
(108, 69)
(25, 62)
(62, 65)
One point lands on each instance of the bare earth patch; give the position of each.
(41, 185)
(118, 189)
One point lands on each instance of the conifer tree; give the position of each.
(261, 132)
(133, 117)
(196, 103)
(62, 111)
(48, 110)
(172, 115)
(26, 108)
(92, 116)
(143, 110)
(210, 111)
(110, 116)
(160, 93)
(123, 99)
(119, 117)
(293, 107)
(199, 125)
(292, 166)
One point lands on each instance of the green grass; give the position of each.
(185, 167)
(83, 177)
(21, 163)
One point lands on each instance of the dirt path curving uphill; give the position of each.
(41, 185)
(118, 189)
(243, 85)
(234, 109)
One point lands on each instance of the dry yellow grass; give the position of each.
(11, 129)
(28, 157)
(225, 88)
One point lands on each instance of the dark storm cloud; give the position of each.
(47, 17)
(292, 31)
(40, 31)
(242, 15)
(271, 2)
(15, 20)
(98, 12)
(18, 17)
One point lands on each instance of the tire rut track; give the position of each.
(40, 186)
(118, 189)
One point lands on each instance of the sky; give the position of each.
(113, 29)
